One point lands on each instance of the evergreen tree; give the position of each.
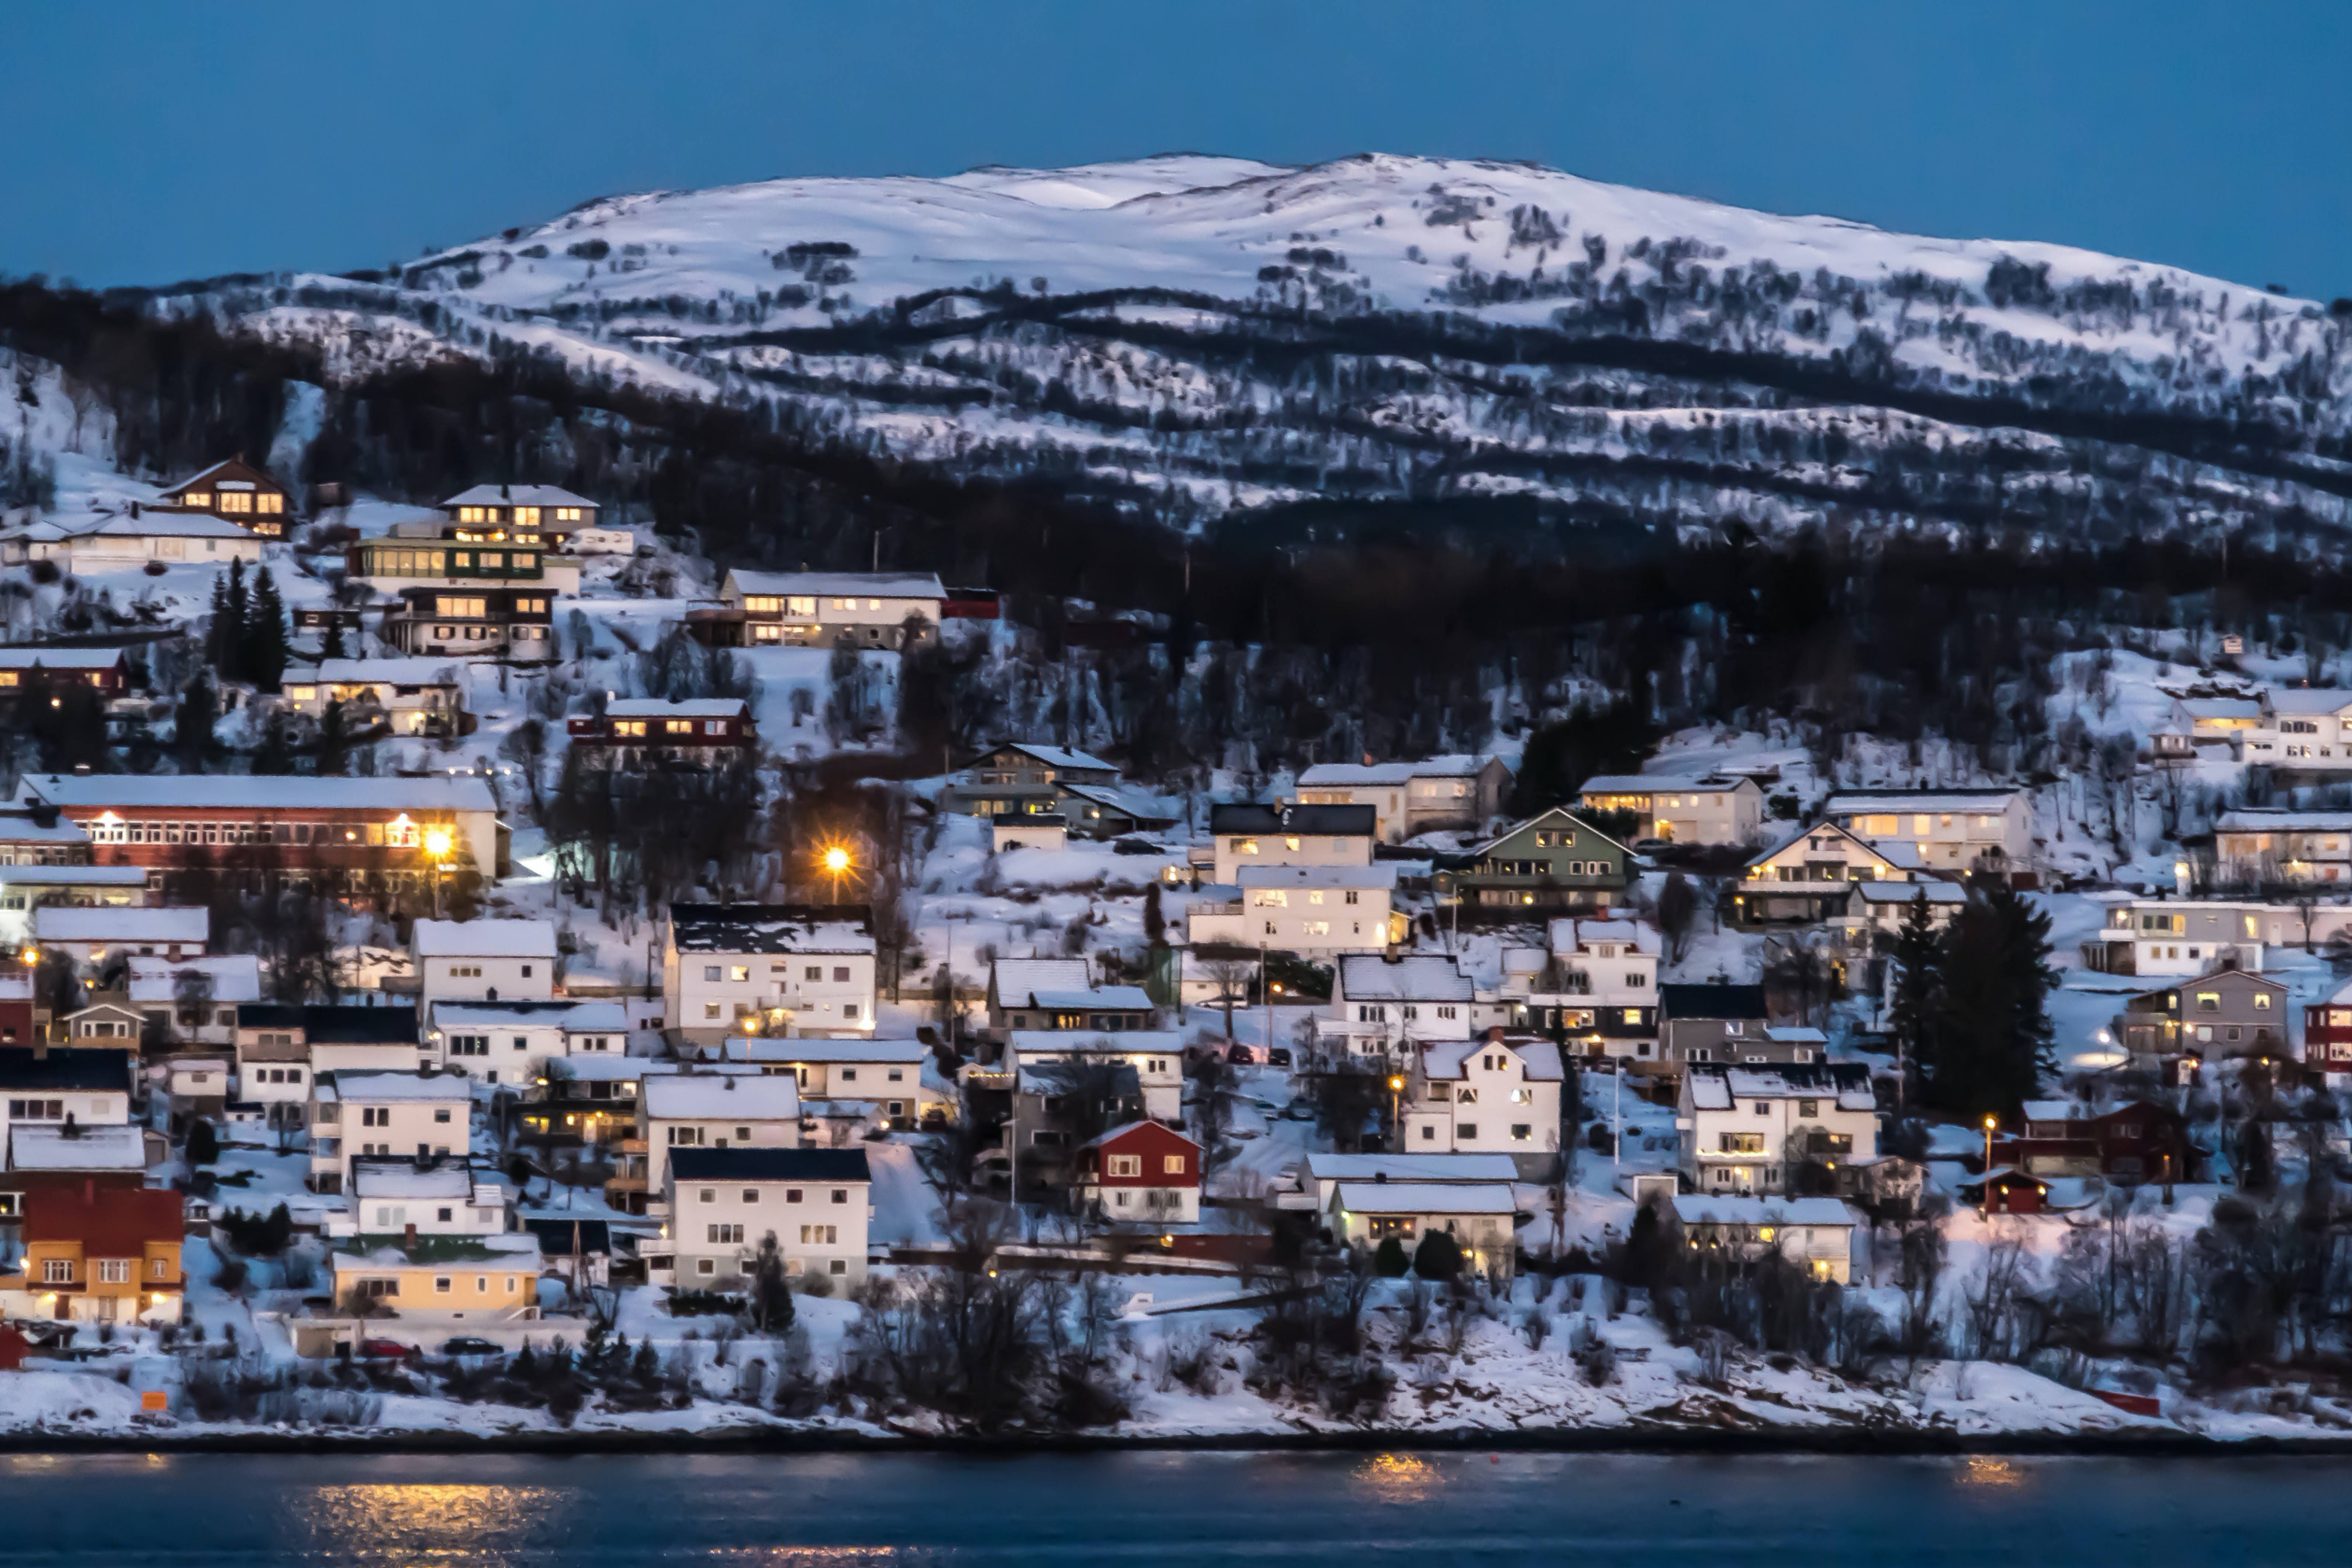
(224, 627)
(192, 731)
(231, 605)
(1155, 922)
(333, 736)
(265, 644)
(333, 647)
(771, 1296)
(204, 1144)
(1911, 1012)
(1991, 1044)
(275, 752)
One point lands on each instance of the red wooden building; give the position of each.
(2141, 1142)
(634, 731)
(240, 494)
(2327, 1033)
(1144, 1172)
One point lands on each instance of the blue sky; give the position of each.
(149, 142)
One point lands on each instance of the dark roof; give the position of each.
(1250, 816)
(333, 1026)
(81, 1068)
(763, 927)
(769, 1164)
(1711, 1002)
(555, 1235)
(109, 1222)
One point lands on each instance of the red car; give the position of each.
(383, 1350)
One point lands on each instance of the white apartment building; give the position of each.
(1951, 829)
(94, 935)
(727, 1109)
(2302, 728)
(1683, 809)
(280, 1045)
(484, 960)
(1814, 1234)
(886, 1074)
(411, 695)
(1498, 1095)
(1455, 791)
(27, 887)
(864, 609)
(2263, 844)
(2191, 937)
(89, 1085)
(723, 1203)
(1380, 1004)
(352, 1114)
(1597, 979)
(1741, 1126)
(1249, 834)
(768, 969)
(1304, 910)
(513, 1042)
(1156, 1054)
(447, 1197)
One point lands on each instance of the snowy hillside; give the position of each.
(1188, 336)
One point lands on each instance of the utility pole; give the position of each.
(1616, 1124)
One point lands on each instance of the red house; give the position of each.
(2327, 1033)
(16, 1009)
(2012, 1191)
(1142, 1172)
(637, 730)
(2140, 1142)
(239, 491)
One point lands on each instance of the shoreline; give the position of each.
(2139, 1444)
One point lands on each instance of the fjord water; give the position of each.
(1295, 1509)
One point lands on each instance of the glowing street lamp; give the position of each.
(836, 862)
(1990, 1122)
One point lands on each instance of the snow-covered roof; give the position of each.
(235, 977)
(1124, 1128)
(2309, 699)
(349, 1086)
(577, 1017)
(122, 922)
(1126, 799)
(73, 876)
(234, 792)
(1997, 797)
(1698, 1208)
(1427, 1197)
(1355, 775)
(1381, 875)
(1794, 1035)
(1559, 812)
(1056, 756)
(484, 939)
(1896, 852)
(1717, 1088)
(1653, 783)
(1445, 1060)
(772, 928)
(382, 1178)
(1133, 996)
(2263, 819)
(515, 1250)
(1571, 933)
(746, 1096)
(1420, 978)
(2221, 707)
(517, 495)
(842, 585)
(38, 1148)
(156, 522)
(692, 708)
(811, 1049)
(377, 672)
(1095, 1042)
(1903, 892)
(1016, 979)
(17, 827)
(85, 659)
(2049, 1109)
(1424, 1168)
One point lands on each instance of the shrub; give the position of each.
(1438, 1255)
(204, 1144)
(1389, 1260)
(256, 1235)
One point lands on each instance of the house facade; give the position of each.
(483, 960)
(1310, 910)
(1809, 876)
(506, 622)
(1952, 831)
(1382, 1005)
(429, 1116)
(1495, 1095)
(824, 609)
(2189, 937)
(726, 1109)
(2259, 846)
(1744, 1129)
(772, 969)
(1814, 1234)
(99, 1253)
(1554, 861)
(236, 492)
(1143, 1174)
(2300, 728)
(1244, 834)
(1457, 791)
(552, 513)
(406, 696)
(1482, 1218)
(2223, 1013)
(723, 1203)
(641, 731)
(1683, 809)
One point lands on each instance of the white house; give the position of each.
(1953, 830)
(1455, 791)
(115, 541)
(724, 1203)
(90, 1087)
(1885, 906)
(2300, 728)
(26, 888)
(1742, 1126)
(484, 960)
(2191, 937)
(1321, 1174)
(1683, 809)
(1303, 909)
(1806, 876)
(861, 609)
(411, 695)
(1596, 977)
(722, 1110)
(1814, 1234)
(279, 1045)
(1244, 834)
(427, 1115)
(200, 996)
(1499, 1095)
(440, 1198)
(1379, 1003)
(884, 1074)
(2265, 845)
(94, 935)
(513, 1042)
(1156, 1054)
(1480, 1216)
(773, 969)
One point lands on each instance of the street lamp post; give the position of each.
(438, 845)
(1396, 1111)
(1990, 1122)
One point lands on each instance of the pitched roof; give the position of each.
(1253, 816)
(2270, 819)
(484, 939)
(574, 1018)
(1569, 934)
(1126, 799)
(247, 792)
(325, 1024)
(378, 672)
(122, 922)
(1095, 1042)
(356, 1084)
(1093, 996)
(517, 495)
(233, 977)
(33, 1146)
(1419, 977)
(692, 1164)
(749, 1097)
(1126, 1128)
(1422, 1168)
(1055, 756)
(81, 1069)
(1920, 799)
(1711, 1002)
(2307, 699)
(1892, 851)
(226, 465)
(1560, 812)
(1427, 1197)
(692, 708)
(38, 656)
(772, 928)
(510, 1250)
(1653, 783)
(1717, 1087)
(109, 1222)
(1698, 1208)
(74, 876)
(375, 1176)
(1382, 875)
(1016, 979)
(844, 585)
(1447, 1058)
(1903, 892)
(813, 1048)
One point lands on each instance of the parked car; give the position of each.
(383, 1350)
(1239, 1056)
(471, 1345)
(1297, 1111)
(1277, 1056)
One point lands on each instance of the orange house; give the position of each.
(99, 1254)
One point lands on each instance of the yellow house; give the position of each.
(469, 1278)
(99, 1254)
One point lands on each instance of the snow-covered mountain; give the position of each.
(1190, 337)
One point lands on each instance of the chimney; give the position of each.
(134, 511)
(409, 1237)
(503, 493)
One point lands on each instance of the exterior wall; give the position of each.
(408, 709)
(819, 1226)
(455, 978)
(63, 1282)
(662, 1134)
(1296, 919)
(809, 620)
(1744, 1150)
(707, 994)
(1144, 1175)
(1387, 801)
(485, 1288)
(342, 1130)
(1691, 811)
(1552, 862)
(1234, 851)
(2177, 937)
(1958, 835)
(1486, 1240)
(50, 1107)
(342, 845)
(1494, 1108)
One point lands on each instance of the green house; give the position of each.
(1554, 861)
